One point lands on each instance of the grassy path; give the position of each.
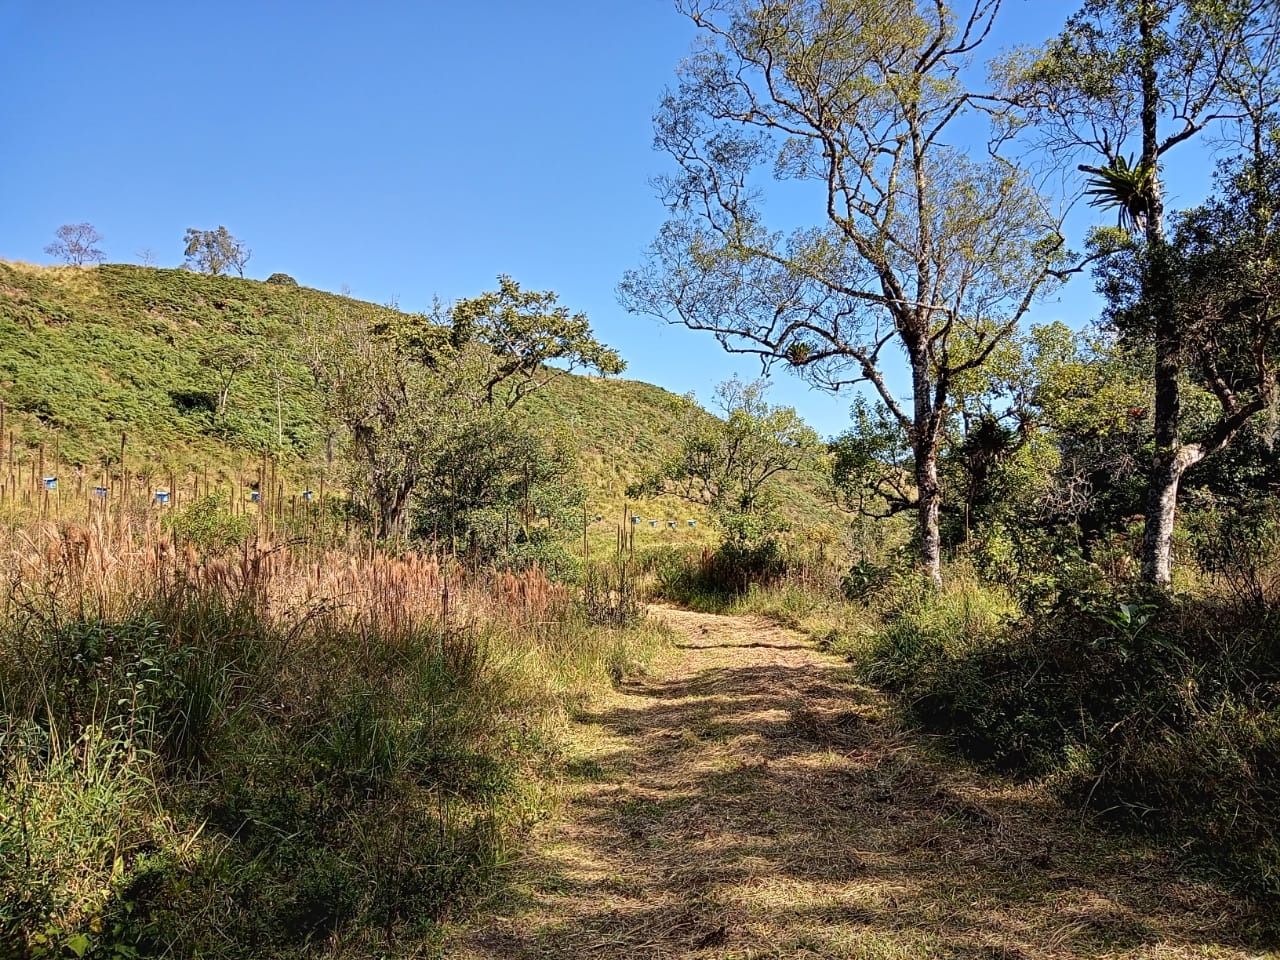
(755, 801)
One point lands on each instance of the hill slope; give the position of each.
(87, 354)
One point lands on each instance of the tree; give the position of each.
(915, 247)
(76, 244)
(729, 463)
(389, 405)
(225, 362)
(1221, 266)
(492, 482)
(414, 394)
(215, 251)
(525, 330)
(1151, 74)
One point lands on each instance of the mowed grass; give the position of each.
(750, 798)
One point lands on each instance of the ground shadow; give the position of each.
(759, 802)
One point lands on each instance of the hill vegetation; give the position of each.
(303, 598)
(206, 374)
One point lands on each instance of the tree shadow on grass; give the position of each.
(769, 806)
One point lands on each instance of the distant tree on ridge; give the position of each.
(76, 244)
(215, 251)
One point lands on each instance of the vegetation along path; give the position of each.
(753, 800)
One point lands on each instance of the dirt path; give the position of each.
(755, 801)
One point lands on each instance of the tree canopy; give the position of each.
(912, 245)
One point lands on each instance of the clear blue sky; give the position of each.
(401, 148)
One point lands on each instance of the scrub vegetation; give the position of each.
(330, 629)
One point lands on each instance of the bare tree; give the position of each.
(76, 244)
(916, 248)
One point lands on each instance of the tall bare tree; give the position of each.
(912, 248)
(76, 244)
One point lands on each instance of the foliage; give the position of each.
(389, 407)
(1126, 187)
(215, 251)
(525, 331)
(89, 354)
(76, 244)
(194, 775)
(207, 524)
(913, 244)
(731, 465)
(282, 280)
(423, 403)
(1159, 714)
(1152, 75)
(119, 348)
(500, 490)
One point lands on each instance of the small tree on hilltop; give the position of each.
(215, 251)
(76, 244)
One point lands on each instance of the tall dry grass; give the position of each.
(269, 748)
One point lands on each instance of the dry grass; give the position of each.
(244, 728)
(97, 569)
(758, 802)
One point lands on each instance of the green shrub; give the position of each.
(205, 523)
(1162, 714)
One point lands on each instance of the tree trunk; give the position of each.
(1161, 512)
(929, 496)
(393, 505)
(924, 448)
(1166, 467)
(1162, 508)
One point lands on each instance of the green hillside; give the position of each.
(87, 354)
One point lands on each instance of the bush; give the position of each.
(1163, 715)
(712, 580)
(282, 280)
(205, 523)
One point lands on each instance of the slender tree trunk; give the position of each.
(924, 444)
(1166, 471)
(930, 499)
(1167, 464)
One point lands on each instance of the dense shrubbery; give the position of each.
(714, 578)
(1163, 714)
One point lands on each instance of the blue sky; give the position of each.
(403, 149)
